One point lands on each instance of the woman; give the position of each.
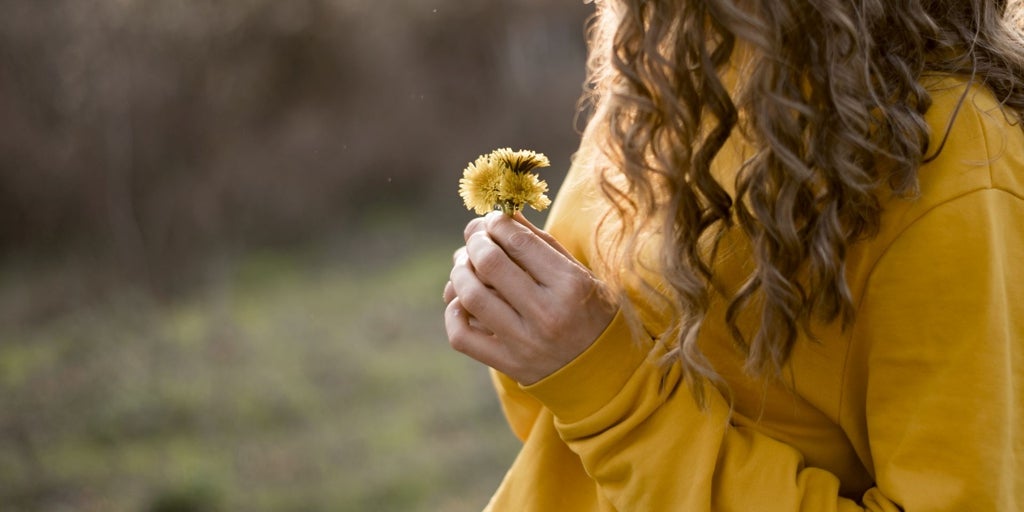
(786, 271)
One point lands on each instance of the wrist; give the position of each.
(595, 376)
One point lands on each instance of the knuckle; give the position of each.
(456, 327)
(474, 299)
(472, 227)
(457, 340)
(488, 259)
(520, 241)
(454, 276)
(458, 252)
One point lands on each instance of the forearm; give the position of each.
(642, 437)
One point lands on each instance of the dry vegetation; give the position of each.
(297, 385)
(224, 230)
(147, 134)
(221, 271)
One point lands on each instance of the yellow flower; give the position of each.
(520, 161)
(480, 186)
(520, 189)
(503, 180)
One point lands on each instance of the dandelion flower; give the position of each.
(520, 189)
(480, 186)
(521, 161)
(503, 180)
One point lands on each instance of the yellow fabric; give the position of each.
(918, 407)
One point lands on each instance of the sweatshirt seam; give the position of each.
(885, 250)
(869, 275)
(993, 182)
(540, 389)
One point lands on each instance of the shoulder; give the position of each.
(976, 175)
(978, 143)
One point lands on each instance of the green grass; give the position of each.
(286, 386)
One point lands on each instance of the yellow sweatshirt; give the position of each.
(918, 407)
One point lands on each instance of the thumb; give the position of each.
(544, 235)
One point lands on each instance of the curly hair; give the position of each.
(831, 102)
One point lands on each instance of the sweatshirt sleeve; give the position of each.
(940, 332)
(942, 359)
(521, 409)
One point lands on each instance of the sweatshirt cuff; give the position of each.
(594, 377)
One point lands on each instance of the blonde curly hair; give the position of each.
(833, 105)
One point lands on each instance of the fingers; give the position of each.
(449, 295)
(480, 300)
(496, 269)
(544, 235)
(473, 226)
(459, 251)
(542, 260)
(507, 297)
(469, 339)
(449, 292)
(449, 289)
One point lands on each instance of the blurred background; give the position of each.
(224, 231)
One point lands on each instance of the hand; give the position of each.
(519, 302)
